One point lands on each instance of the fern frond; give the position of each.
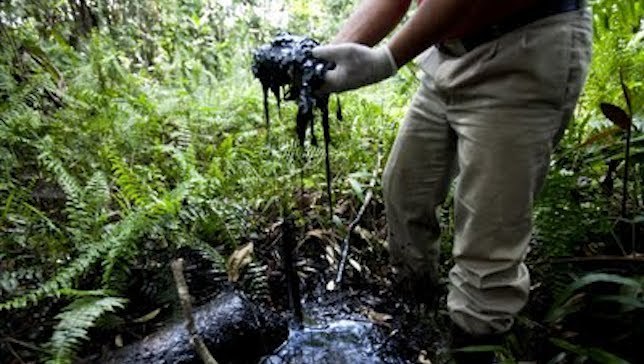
(10, 281)
(75, 321)
(181, 137)
(256, 281)
(63, 279)
(97, 191)
(113, 247)
(145, 219)
(67, 182)
(209, 253)
(130, 184)
(84, 205)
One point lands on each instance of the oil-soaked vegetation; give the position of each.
(287, 62)
(134, 133)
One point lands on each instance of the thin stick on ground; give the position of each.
(354, 223)
(15, 355)
(600, 258)
(186, 305)
(23, 344)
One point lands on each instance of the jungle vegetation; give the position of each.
(133, 131)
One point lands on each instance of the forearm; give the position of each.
(437, 20)
(372, 21)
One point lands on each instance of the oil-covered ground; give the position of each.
(363, 319)
(360, 320)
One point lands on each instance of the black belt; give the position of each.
(542, 9)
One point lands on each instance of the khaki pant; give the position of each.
(489, 117)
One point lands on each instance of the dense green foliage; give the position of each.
(129, 128)
(77, 318)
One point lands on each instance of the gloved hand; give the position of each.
(356, 66)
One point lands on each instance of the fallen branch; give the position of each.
(637, 258)
(354, 223)
(233, 328)
(601, 258)
(25, 344)
(186, 305)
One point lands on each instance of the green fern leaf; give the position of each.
(75, 321)
(64, 279)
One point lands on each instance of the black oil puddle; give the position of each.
(335, 341)
(339, 327)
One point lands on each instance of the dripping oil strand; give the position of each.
(266, 112)
(327, 162)
(292, 280)
(287, 61)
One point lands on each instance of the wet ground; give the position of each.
(340, 341)
(358, 321)
(357, 327)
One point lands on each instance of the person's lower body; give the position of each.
(492, 116)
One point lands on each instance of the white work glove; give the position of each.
(356, 66)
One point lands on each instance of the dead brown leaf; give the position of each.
(355, 265)
(330, 255)
(239, 259)
(378, 318)
(422, 358)
(147, 317)
(365, 234)
(118, 341)
(321, 234)
(330, 286)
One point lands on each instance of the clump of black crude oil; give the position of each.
(286, 66)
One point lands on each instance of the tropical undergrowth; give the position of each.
(135, 132)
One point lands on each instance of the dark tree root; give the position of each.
(232, 327)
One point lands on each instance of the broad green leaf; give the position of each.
(558, 309)
(357, 188)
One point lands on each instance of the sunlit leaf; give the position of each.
(379, 317)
